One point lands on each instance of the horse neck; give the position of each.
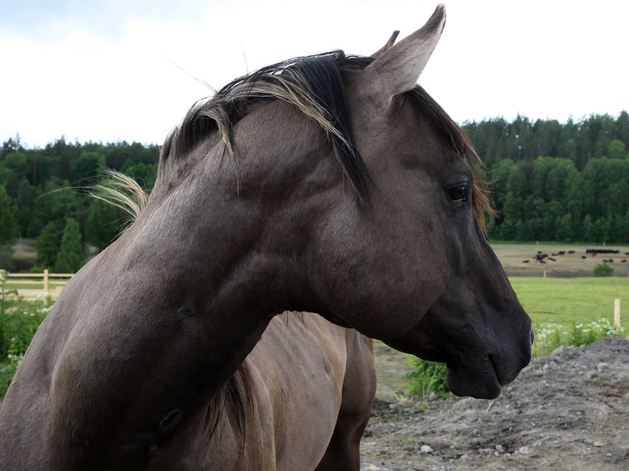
(248, 214)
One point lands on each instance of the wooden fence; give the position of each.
(32, 285)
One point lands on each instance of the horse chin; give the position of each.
(481, 384)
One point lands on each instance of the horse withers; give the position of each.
(331, 184)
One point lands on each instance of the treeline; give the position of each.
(566, 182)
(557, 182)
(44, 197)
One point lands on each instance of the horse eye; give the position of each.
(457, 193)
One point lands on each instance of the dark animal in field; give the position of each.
(525, 261)
(624, 261)
(540, 256)
(552, 259)
(570, 251)
(331, 184)
(583, 256)
(594, 252)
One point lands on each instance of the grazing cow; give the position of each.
(583, 256)
(526, 261)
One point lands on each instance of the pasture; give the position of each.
(520, 259)
(564, 301)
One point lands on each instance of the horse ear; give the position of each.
(389, 43)
(397, 68)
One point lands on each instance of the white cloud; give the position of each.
(537, 58)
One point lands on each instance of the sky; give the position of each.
(114, 70)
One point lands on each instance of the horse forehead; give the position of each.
(402, 132)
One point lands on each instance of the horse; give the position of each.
(331, 184)
(258, 418)
(301, 400)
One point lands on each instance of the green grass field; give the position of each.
(566, 300)
(572, 311)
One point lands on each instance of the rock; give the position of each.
(524, 450)
(425, 449)
(558, 351)
(602, 366)
(433, 396)
(499, 448)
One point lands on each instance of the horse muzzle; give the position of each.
(478, 365)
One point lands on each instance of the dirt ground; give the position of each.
(568, 411)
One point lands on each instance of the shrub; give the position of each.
(428, 377)
(602, 269)
(19, 320)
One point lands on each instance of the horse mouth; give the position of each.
(469, 373)
(480, 380)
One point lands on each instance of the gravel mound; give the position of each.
(566, 411)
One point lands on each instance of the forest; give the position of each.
(551, 181)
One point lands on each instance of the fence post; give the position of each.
(45, 280)
(617, 312)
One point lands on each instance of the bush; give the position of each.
(19, 320)
(602, 269)
(428, 377)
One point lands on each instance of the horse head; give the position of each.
(414, 267)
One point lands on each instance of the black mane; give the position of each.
(317, 83)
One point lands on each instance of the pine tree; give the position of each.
(8, 227)
(70, 257)
(8, 221)
(48, 244)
